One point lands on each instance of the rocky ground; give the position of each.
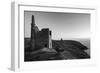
(62, 50)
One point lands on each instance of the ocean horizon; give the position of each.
(85, 42)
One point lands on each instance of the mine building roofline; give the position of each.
(45, 29)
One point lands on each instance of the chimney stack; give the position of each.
(33, 21)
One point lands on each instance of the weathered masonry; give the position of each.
(40, 39)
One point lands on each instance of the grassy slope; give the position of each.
(71, 50)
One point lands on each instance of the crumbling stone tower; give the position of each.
(40, 39)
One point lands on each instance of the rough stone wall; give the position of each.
(50, 39)
(44, 38)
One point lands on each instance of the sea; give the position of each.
(86, 42)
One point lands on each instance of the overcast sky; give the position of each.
(62, 25)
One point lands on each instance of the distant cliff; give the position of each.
(73, 48)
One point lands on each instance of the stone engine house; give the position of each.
(40, 39)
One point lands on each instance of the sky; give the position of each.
(62, 25)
